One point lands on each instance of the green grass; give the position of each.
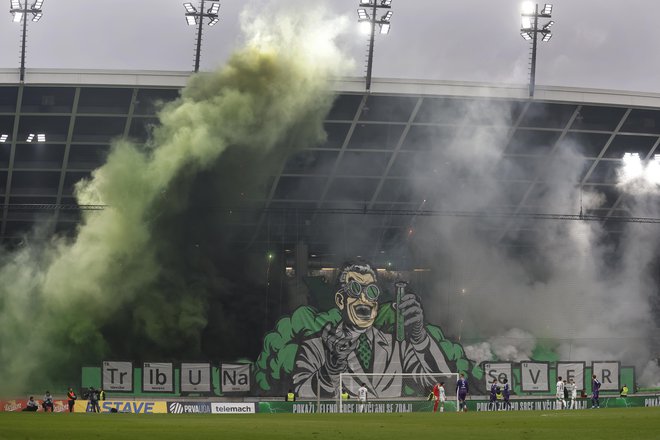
(603, 424)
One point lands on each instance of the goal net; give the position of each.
(395, 388)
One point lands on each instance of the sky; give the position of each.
(593, 46)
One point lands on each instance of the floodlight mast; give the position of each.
(529, 30)
(20, 13)
(193, 16)
(383, 22)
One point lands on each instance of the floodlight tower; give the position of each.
(529, 30)
(195, 17)
(371, 21)
(20, 10)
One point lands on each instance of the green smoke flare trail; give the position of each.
(55, 299)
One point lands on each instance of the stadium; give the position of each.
(193, 244)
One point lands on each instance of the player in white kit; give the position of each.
(561, 403)
(362, 397)
(572, 388)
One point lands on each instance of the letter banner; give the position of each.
(499, 371)
(232, 408)
(118, 376)
(534, 376)
(608, 374)
(189, 407)
(235, 378)
(195, 378)
(158, 377)
(572, 370)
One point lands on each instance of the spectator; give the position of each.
(32, 405)
(48, 402)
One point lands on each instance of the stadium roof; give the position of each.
(392, 130)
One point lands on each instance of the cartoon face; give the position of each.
(358, 299)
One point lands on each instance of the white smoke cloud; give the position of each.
(650, 376)
(479, 352)
(572, 284)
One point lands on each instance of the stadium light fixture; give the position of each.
(196, 16)
(368, 22)
(20, 10)
(3, 138)
(530, 30)
(40, 137)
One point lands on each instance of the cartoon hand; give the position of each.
(413, 315)
(338, 346)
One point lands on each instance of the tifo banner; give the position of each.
(188, 407)
(118, 376)
(534, 376)
(235, 378)
(21, 404)
(195, 378)
(608, 375)
(125, 406)
(306, 342)
(158, 377)
(233, 408)
(572, 370)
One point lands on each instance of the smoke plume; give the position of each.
(580, 289)
(138, 278)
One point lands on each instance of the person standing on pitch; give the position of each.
(506, 392)
(462, 389)
(439, 397)
(94, 400)
(572, 394)
(561, 403)
(595, 392)
(494, 391)
(362, 397)
(71, 399)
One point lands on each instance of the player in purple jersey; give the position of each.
(494, 391)
(595, 390)
(506, 392)
(462, 389)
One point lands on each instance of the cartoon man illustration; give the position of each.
(355, 346)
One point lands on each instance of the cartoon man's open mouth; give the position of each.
(363, 311)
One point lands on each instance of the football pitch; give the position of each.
(603, 424)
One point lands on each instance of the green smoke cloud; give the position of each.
(57, 301)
